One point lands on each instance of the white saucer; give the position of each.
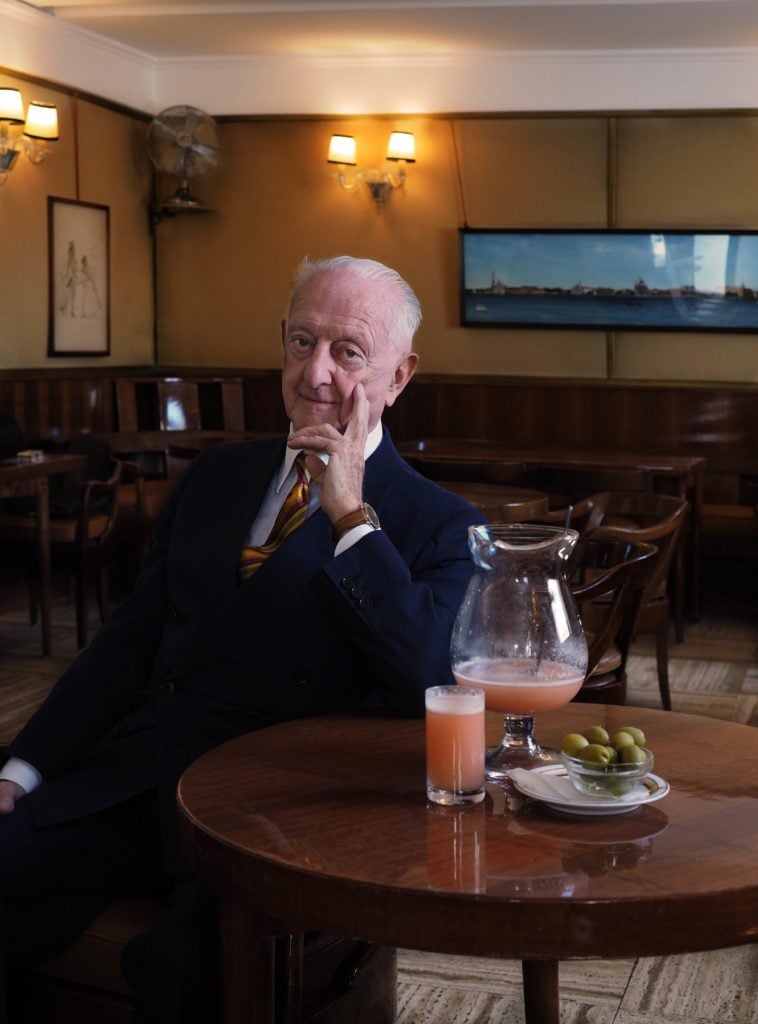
(571, 801)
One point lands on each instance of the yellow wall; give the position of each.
(110, 165)
(223, 276)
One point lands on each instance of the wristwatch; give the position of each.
(364, 514)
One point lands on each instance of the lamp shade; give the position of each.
(42, 121)
(402, 146)
(11, 107)
(342, 150)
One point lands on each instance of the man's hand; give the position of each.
(341, 482)
(10, 792)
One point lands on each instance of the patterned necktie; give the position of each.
(291, 515)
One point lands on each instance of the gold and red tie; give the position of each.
(291, 515)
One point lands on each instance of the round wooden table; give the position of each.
(323, 823)
(501, 503)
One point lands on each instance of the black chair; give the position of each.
(11, 436)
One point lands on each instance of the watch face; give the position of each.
(371, 516)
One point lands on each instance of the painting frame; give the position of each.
(78, 278)
(627, 279)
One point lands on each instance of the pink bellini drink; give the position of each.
(454, 744)
(517, 686)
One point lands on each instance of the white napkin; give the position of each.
(548, 785)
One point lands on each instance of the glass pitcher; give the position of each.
(518, 634)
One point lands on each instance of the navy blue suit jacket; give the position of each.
(191, 659)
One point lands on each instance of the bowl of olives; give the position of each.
(603, 764)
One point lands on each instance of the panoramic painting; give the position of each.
(613, 280)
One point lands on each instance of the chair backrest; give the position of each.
(576, 514)
(100, 498)
(607, 579)
(646, 518)
(471, 470)
(11, 436)
(66, 489)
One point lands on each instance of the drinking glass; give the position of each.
(518, 635)
(454, 745)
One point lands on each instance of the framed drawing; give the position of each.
(611, 280)
(79, 280)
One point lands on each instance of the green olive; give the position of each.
(622, 739)
(573, 742)
(597, 734)
(613, 755)
(637, 734)
(633, 755)
(620, 788)
(595, 753)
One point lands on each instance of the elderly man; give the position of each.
(287, 578)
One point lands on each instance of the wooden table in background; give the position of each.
(33, 479)
(501, 502)
(681, 475)
(323, 823)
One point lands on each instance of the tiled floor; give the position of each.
(714, 672)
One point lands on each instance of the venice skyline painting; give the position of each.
(671, 280)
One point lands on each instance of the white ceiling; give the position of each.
(340, 57)
(233, 28)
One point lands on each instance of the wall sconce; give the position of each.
(34, 132)
(401, 148)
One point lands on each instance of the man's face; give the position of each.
(337, 335)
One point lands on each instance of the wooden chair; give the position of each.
(607, 579)
(642, 518)
(322, 979)
(573, 514)
(80, 543)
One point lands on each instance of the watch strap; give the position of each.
(352, 519)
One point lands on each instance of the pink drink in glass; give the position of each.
(517, 686)
(454, 745)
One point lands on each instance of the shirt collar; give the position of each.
(373, 441)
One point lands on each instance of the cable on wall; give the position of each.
(75, 137)
(458, 176)
(611, 193)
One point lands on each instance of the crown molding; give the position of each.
(35, 44)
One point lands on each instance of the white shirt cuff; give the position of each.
(352, 536)
(22, 773)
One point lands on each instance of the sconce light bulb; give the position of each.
(402, 146)
(342, 150)
(42, 122)
(11, 106)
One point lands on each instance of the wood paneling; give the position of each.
(718, 422)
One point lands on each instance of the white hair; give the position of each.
(407, 313)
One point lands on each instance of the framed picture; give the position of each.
(79, 283)
(611, 280)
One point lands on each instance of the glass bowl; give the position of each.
(606, 780)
